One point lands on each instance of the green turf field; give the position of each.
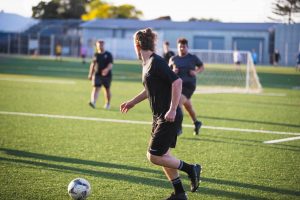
(49, 136)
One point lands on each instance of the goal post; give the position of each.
(222, 75)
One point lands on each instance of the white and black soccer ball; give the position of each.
(79, 189)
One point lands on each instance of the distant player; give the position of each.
(237, 59)
(58, 50)
(187, 66)
(167, 52)
(162, 87)
(101, 74)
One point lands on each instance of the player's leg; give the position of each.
(94, 96)
(163, 138)
(106, 81)
(107, 97)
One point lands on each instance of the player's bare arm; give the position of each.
(91, 71)
(199, 69)
(131, 103)
(176, 93)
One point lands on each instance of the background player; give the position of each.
(101, 74)
(187, 66)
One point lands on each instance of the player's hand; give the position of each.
(104, 72)
(193, 73)
(124, 107)
(90, 77)
(175, 70)
(170, 115)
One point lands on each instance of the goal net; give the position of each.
(222, 75)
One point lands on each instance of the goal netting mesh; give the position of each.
(222, 75)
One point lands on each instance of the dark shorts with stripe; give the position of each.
(188, 89)
(99, 80)
(164, 134)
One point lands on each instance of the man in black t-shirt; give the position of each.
(187, 66)
(167, 52)
(100, 74)
(162, 87)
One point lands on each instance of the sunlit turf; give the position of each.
(39, 156)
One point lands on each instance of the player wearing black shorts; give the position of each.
(162, 87)
(101, 74)
(187, 66)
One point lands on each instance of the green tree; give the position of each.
(286, 9)
(100, 9)
(59, 9)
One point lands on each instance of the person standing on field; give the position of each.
(167, 52)
(101, 74)
(187, 66)
(162, 87)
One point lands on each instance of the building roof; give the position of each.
(10, 22)
(166, 24)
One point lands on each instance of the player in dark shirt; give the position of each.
(162, 87)
(187, 66)
(100, 74)
(167, 52)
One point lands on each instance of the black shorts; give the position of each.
(164, 134)
(188, 89)
(99, 80)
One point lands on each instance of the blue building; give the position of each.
(201, 35)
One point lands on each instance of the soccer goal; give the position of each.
(222, 75)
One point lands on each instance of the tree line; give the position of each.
(91, 9)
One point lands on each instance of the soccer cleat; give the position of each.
(92, 105)
(180, 196)
(198, 125)
(195, 177)
(106, 106)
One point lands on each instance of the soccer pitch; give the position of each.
(249, 145)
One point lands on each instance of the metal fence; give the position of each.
(27, 44)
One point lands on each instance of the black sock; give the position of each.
(177, 185)
(185, 167)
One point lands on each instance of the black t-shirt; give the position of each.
(184, 65)
(102, 60)
(168, 55)
(157, 80)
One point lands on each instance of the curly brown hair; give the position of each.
(146, 39)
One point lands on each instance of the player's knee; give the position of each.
(153, 159)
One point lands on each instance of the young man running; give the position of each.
(162, 87)
(187, 66)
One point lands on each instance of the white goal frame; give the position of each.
(248, 81)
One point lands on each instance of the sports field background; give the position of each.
(49, 136)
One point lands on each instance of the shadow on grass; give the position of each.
(249, 121)
(245, 142)
(133, 179)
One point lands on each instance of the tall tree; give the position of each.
(59, 9)
(286, 8)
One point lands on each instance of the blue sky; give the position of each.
(224, 10)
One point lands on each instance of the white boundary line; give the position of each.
(37, 80)
(282, 140)
(142, 122)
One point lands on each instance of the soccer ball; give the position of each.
(79, 189)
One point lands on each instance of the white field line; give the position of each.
(143, 122)
(37, 81)
(282, 140)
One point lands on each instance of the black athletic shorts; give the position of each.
(99, 80)
(188, 89)
(164, 134)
